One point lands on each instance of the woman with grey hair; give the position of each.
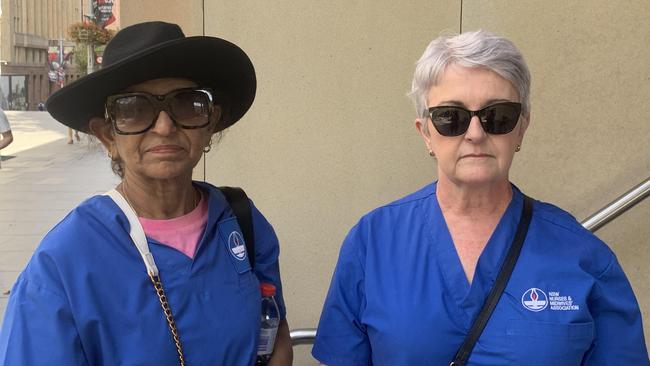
(468, 269)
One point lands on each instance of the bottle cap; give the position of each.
(268, 289)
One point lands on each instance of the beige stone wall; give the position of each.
(187, 13)
(330, 135)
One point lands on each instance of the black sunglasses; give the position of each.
(135, 113)
(496, 119)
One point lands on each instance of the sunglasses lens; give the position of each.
(450, 121)
(133, 113)
(190, 108)
(497, 119)
(137, 112)
(501, 118)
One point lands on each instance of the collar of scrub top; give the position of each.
(136, 232)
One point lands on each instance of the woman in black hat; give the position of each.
(157, 271)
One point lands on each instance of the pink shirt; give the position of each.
(181, 233)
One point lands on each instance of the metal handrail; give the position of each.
(303, 336)
(623, 203)
(592, 223)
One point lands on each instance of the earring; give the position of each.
(431, 153)
(518, 148)
(110, 156)
(209, 147)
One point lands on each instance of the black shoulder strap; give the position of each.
(240, 205)
(508, 265)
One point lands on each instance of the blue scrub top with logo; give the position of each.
(85, 297)
(399, 295)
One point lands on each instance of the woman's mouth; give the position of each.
(165, 149)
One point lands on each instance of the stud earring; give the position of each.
(518, 148)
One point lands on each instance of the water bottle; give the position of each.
(269, 324)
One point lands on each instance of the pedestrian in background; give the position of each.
(413, 278)
(154, 272)
(6, 136)
(76, 136)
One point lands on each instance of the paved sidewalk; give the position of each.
(44, 180)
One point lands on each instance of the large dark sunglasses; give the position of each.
(496, 119)
(134, 113)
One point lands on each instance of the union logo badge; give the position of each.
(237, 245)
(534, 299)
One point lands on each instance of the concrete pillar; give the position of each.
(23, 18)
(29, 9)
(44, 20)
(43, 80)
(60, 17)
(50, 18)
(38, 18)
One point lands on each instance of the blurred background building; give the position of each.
(36, 52)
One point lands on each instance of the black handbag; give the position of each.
(492, 300)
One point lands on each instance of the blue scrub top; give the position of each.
(399, 295)
(85, 297)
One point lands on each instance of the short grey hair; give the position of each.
(470, 49)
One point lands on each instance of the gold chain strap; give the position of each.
(168, 314)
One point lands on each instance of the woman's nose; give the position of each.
(475, 131)
(164, 124)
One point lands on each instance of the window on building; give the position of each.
(14, 92)
(18, 93)
(4, 92)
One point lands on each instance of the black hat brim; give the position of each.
(209, 61)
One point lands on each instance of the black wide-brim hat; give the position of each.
(155, 50)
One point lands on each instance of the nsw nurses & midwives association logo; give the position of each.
(237, 245)
(534, 299)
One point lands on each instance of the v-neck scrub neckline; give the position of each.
(468, 297)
